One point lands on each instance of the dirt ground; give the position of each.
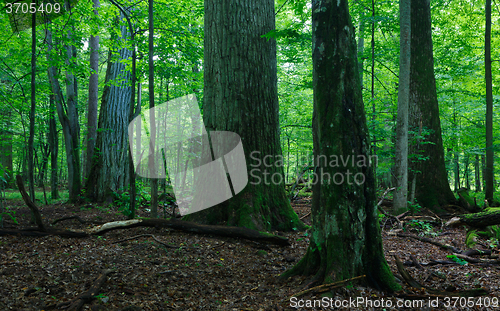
(199, 272)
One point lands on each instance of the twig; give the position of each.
(322, 288)
(420, 238)
(148, 235)
(305, 215)
(384, 212)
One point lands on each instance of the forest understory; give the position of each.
(159, 269)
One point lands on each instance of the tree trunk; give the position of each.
(93, 96)
(110, 168)
(6, 159)
(477, 174)
(345, 240)
(401, 156)
(432, 187)
(240, 95)
(68, 116)
(31, 138)
(54, 149)
(154, 182)
(488, 186)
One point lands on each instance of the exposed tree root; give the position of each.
(326, 287)
(436, 293)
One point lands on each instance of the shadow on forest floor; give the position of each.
(201, 273)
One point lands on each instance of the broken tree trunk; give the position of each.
(467, 202)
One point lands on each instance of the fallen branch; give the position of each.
(187, 226)
(305, 216)
(326, 287)
(384, 212)
(148, 235)
(436, 293)
(423, 239)
(477, 260)
(91, 293)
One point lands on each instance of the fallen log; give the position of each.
(187, 226)
(467, 202)
(484, 219)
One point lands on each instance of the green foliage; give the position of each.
(460, 261)
(414, 208)
(423, 227)
(122, 201)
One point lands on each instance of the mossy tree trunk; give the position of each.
(345, 241)
(427, 156)
(240, 95)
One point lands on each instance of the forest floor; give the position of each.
(207, 272)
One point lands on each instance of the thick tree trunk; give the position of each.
(68, 116)
(110, 167)
(240, 95)
(432, 187)
(488, 186)
(401, 156)
(345, 240)
(93, 97)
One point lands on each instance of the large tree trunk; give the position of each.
(68, 116)
(401, 156)
(110, 170)
(345, 240)
(93, 97)
(488, 186)
(432, 187)
(240, 95)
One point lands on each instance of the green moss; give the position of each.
(471, 238)
(262, 253)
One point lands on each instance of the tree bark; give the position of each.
(240, 95)
(345, 241)
(54, 149)
(110, 168)
(31, 138)
(93, 96)
(488, 186)
(154, 182)
(68, 116)
(432, 187)
(401, 156)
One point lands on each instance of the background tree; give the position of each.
(401, 161)
(240, 95)
(345, 240)
(489, 189)
(427, 165)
